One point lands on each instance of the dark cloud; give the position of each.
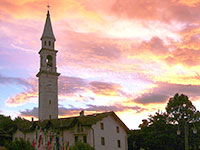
(155, 45)
(33, 112)
(148, 98)
(163, 91)
(14, 80)
(115, 108)
(71, 111)
(72, 85)
(69, 85)
(104, 88)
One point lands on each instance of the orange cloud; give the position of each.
(191, 3)
(23, 97)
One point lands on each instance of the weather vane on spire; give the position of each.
(48, 9)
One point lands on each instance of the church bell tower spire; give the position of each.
(48, 76)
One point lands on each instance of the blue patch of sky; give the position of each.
(8, 90)
(16, 63)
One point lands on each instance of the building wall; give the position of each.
(69, 135)
(109, 133)
(18, 134)
(26, 136)
(94, 135)
(48, 96)
(29, 137)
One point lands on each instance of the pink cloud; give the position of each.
(156, 10)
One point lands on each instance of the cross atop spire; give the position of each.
(48, 6)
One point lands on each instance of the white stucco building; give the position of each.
(103, 131)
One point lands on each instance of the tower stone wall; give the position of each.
(48, 76)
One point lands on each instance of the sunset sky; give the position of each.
(126, 56)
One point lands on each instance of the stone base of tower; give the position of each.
(48, 96)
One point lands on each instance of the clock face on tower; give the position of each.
(49, 85)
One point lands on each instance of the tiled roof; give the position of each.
(70, 122)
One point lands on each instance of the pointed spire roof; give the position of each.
(48, 31)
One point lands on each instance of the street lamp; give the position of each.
(186, 129)
(178, 132)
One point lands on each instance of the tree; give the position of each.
(6, 124)
(180, 109)
(22, 123)
(6, 129)
(155, 134)
(18, 145)
(81, 146)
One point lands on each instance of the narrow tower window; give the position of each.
(45, 43)
(49, 60)
(49, 43)
(49, 101)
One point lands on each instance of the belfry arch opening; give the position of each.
(49, 60)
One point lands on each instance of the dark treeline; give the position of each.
(166, 130)
(9, 126)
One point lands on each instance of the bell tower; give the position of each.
(48, 76)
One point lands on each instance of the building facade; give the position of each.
(103, 131)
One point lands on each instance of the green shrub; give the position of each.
(81, 146)
(18, 145)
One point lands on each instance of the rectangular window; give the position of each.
(102, 126)
(49, 101)
(49, 43)
(118, 143)
(102, 141)
(49, 116)
(76, 139)
(85, 139)
(79, 128)
(117, 129)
